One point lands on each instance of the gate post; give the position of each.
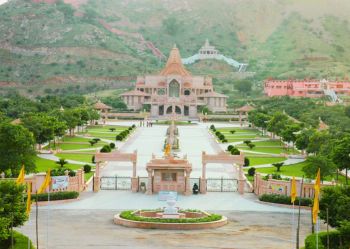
(134, 184)
(96, 185)
(241, 180)
(149, 183)
(203, 179)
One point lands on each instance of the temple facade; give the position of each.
(174, 91)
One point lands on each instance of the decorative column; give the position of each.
(203, 180)
(96, 186)
(241, 180)
(134, 179)
(240, 118)
(187, 182)
(150, 182)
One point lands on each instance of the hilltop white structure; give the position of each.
(208, 51)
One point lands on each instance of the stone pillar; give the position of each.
(187, 182)
(154, 110)
(241, 180)
(149, 183)
(203, 180)
(96, 186)
(240, 118)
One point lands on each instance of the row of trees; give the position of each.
(18, 141)
(327, 149)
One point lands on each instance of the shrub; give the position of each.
(119, 137)
(217, 133)
(133, 126)
(130, 128)
(112, 129)
(87, 168)
(93, 159)
(251, 146)
(221, 137)
(278, 166)
(96, 140)
(105, 149)
(232, 131)
(212, 127)
(235, 151)
(230, 147)
(64, 195)
(112, 145)
(251, 171)
(246, 162)
(61, 172)
(283, 199)
(224, 140)
(335, 241)
(247, 142)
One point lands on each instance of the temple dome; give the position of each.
(174, 64)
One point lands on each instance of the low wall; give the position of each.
(169, 226)
(272, 186)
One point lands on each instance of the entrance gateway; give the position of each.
(170, 174)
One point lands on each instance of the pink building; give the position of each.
(306, 88)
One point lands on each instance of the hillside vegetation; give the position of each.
(51, 44)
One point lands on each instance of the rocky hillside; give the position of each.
(49, 43)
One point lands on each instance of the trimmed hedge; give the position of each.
(335, 241)
(20, 242)
(283, 199)
(128, 215)
(55, 196)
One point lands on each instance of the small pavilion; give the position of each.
(102, 109)
(169, 174)
(243, 112)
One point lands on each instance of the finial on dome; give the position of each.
(174, 45)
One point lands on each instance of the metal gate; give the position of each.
(222, 185)
(115, 183)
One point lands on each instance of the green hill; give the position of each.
(54, 44)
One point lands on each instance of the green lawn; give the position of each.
(264, 160)
(88, 175)
(294, 170)
(76, 157)
(42, 165)
(106, 129)
(21, 241)
(238, 130)
(110, 136)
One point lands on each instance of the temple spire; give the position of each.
(174, 64)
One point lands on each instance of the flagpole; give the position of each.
(36, 220)
(327, 231)
(293, 226)
(317, 233)
(298, 227)
(48, 215)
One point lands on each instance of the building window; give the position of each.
(169, 177)
(161, 91)
(187, 92)
(174, 89)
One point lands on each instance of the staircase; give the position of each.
(332, 95)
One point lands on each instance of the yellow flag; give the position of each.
(293, 192)
(29, 198)
(46, 182)
(317, 186)
(20, 178)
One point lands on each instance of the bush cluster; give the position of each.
(105, 149)
(128, 215)
(337, 240)
(251, 171)
(220, 136)
(283, 199)
(61, 172)
(234, 151)
(87, 168)
(125, 133)
(55, 196)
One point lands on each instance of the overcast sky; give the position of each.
(2, 1)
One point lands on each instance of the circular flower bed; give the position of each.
(190, 219)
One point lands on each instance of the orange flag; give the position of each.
(29, 198)
(317, 186)
(46, 182)
(293, 192)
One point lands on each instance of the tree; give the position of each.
(277, 123)
(288, 134)
(278, 166)
(235, 151)
(12, 208)
(259, 119)
(72, 119)
(247, 142)
(171, 25)
(316, 141)
(41, 125)
(112, 129)
(337, 200)
(251, 146)
(246, 161)
(62, 162)
(341, 154)
(303, 139)
(313, 163)
(251, 171)
(244, 86)
(16, 149)
(92, 142)
(232, 131)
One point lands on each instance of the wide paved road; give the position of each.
(193, 140)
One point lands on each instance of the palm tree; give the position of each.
(62, 162)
